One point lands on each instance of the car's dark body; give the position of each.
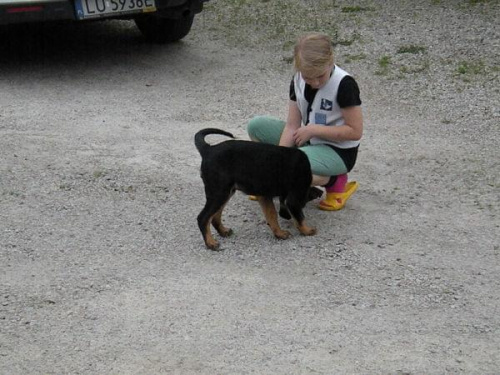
(171, 20)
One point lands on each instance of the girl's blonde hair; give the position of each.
(313, 53)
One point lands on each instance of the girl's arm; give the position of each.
(351, 131)
(293, 123)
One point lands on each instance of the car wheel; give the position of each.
(163, 30)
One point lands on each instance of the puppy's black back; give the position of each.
(257, 168)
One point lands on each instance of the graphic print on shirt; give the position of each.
(326, 105)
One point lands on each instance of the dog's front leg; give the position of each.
(298, 215)
(305, 230)
(269, 210)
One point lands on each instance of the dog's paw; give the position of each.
(212, 245)
(226, 232)
(282, 234)
(307, 231)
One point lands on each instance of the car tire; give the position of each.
(158, 29)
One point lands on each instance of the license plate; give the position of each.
(105, 8)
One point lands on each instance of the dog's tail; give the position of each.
(199, 138)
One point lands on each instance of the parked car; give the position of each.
(159, 21)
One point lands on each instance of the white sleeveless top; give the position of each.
(325, 109)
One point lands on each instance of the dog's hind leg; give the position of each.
(213, 206)
(269, 210)
(217, 221)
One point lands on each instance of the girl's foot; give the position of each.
(337, 201)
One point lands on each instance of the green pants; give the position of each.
(324, 160)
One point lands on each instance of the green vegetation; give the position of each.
(355, 9)
(98, 174)
(415, 68)
(466, 70)
(470, 68)
(383, 63)
(351, 58)
(413, 49)
(348, 41)
(65, 187)
(16, 194)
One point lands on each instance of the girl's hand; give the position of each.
(302, 135)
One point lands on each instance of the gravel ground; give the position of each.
(103, 269)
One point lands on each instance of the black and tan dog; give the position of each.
(259, 169)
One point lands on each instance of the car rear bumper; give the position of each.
(23, 11)
(19, 11)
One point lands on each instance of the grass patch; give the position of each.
(413, 49)
(422, 67)
(468, 69)
(384, 64)
(15, 194)
(98, 174)
(356, 9)
(471, 68)
(65, 187)
(352, 58)
(336, 41)
(344, 42)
